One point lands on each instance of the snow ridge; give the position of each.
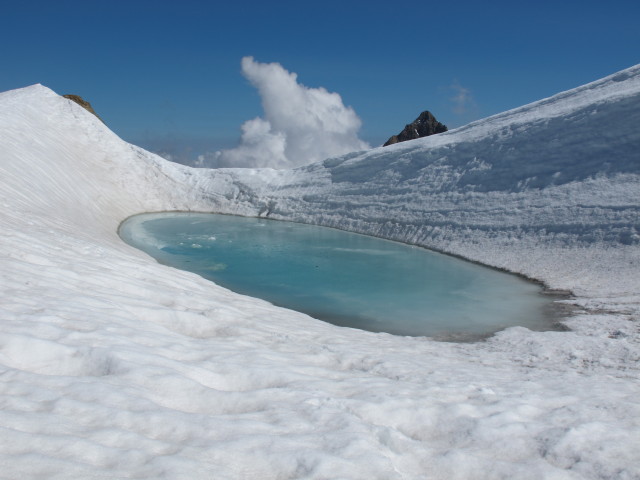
(112, 365)
(546, 183)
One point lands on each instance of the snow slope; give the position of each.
(113, 366)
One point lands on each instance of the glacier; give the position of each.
(114, 366)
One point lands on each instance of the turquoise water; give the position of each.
(342, 278)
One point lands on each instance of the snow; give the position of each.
(114, 366)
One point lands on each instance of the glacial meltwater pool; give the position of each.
(343, 278)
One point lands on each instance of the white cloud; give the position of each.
(301, 125)
(462, 99)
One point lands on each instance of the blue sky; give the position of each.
(166, 75)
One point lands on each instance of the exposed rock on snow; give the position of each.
(112, 365)
(83, 103)
(423, 126)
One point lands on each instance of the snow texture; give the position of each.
(114, 366)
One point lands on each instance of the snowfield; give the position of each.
(113, 366)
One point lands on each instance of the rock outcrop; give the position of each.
(423, 126)
(83, 103)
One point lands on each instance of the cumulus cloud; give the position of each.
(301, 125)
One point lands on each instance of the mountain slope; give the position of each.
(526, 190)
(114, 366)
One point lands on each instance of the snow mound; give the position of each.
(112, 365)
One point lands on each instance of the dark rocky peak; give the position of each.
(423, 126)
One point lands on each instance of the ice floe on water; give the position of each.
(112, 365)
